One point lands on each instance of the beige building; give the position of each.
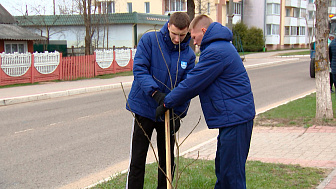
(216, 9)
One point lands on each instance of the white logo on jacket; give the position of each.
(183, 65)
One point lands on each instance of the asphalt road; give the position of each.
(51, 143)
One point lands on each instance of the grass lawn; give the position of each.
(200, 174)
(295, 53)
(300, 112)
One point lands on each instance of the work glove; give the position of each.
(160, 111)
(159, 97)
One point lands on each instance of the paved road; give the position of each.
(57, 142)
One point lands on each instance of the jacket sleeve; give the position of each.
(142, 64)
(204, 74)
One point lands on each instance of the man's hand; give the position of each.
(160, 110)
(159, 97)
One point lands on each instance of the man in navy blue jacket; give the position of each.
(162, 60)
(224, 89)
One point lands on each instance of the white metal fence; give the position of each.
(46, 62)
(104, 57)
(16, 64)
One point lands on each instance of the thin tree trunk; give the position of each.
(323, 95)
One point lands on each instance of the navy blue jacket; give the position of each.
(151, 72)
(221, 81)
(332, 56)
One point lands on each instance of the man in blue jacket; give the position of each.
(224, 89)
(332, 59)
(162, 60)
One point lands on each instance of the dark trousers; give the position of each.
(140, 144)
(331, 81)
(334, 79)
(233, 145)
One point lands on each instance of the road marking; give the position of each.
(23, 131)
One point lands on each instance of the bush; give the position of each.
(247, 39)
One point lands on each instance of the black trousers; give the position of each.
(139, 149)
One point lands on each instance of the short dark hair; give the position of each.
(180, 20)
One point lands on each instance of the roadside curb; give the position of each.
(327, 180)
(269, 63)
(44, 96)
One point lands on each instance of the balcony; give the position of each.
(273, 19)
(272, 39)
(291, 40)
(292, 3)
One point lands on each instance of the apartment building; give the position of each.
(286, 23)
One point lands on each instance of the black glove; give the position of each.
(160, 110)
(159, 97)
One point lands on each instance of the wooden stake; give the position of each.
(168, 152)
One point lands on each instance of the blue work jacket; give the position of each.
(221, 81)
(158, 65)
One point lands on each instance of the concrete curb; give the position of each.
(327, 180)
(44, 96)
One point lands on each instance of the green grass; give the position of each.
(300, 112)
(108, 76)
(295, 53)
(18, 85)
(200, 174)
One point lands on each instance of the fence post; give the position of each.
(131, 59)
(114, 62)
(0, 69)
(32, 67)
(60, 64)
(95, 65)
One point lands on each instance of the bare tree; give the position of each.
(230, 15)
(191, 9)
(323, 96)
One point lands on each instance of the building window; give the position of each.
(302, 30)
(273, 8)
(287, 29)
(303, 13)
(12, 47)
(272, 29)
(208, 8)
(237, 8)
(294, 30)
(288, 12)
(147, 7)
(129, 7)
(296, 12)
(175, 5)
(107, 7)
(311, 15)
(311, 1)
(332, 3)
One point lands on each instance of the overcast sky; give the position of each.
(18, 7)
